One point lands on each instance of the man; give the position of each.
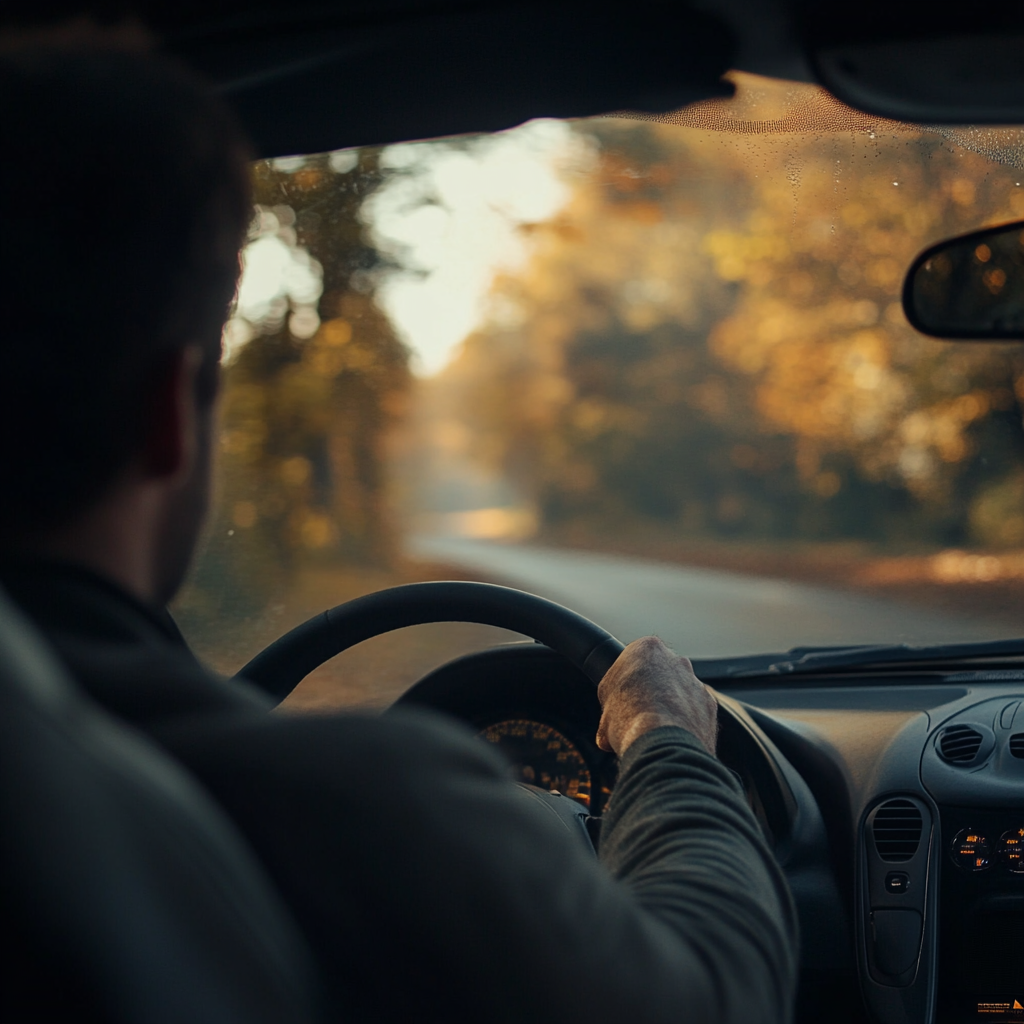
(426, 889)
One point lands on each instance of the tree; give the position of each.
(311, 388)
(709, 335)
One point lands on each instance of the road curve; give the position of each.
(703, 613)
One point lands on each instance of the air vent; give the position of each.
(959, 744)
(1017, 744)
(897, 830)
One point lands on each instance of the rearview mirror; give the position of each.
(970, 287)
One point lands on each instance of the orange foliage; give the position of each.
(711, 332)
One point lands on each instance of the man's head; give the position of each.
(123, 201)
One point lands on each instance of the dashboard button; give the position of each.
(971, 850)
(897, 882)
(1011, 850)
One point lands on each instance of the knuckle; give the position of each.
(646, 643)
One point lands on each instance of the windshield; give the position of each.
(656, 370)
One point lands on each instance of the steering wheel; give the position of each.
(279, 668)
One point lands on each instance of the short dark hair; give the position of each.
(124, 198)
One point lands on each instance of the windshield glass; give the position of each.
(656, 370)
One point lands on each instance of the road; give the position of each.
(702, 612)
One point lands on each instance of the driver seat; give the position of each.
(125, 895)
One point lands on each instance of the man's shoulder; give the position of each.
(126, 656)
(403, 742)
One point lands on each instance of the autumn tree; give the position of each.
(311, 387)
(709, 335)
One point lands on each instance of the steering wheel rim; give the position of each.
(281, 666)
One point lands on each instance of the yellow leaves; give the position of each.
(643, 213)
(334, 350)
(938, 430)
(307, 178)
(821, 374)
(997, 514)
(735, 254)
(327, 362)
(917, 219)
(916, 429)
(962, 191)
(592, 418)
(855, 215)
(360, 358)
(245, 427)
(885, 273)
(589, 418)
(775, 264)
(863, 313)
(314, 530)
(334, 333)
(800, 285)
(936, 434)
(849, 273)
(970, 407)
(296, 471)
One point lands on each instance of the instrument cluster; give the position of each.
(542, 756)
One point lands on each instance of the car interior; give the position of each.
(888, 777)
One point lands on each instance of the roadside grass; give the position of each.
(976, 583)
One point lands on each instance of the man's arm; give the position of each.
(734, 897)
(431, 891)
(679, 837)
(696, 922)
(687, 919)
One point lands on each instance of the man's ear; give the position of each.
(172, 420)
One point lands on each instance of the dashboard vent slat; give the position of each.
(896, 828)
(959, 744)
(1017, 744)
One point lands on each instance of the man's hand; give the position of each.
(650, 686)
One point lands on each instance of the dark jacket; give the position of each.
(428, 889)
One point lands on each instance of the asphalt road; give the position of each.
(701, 612)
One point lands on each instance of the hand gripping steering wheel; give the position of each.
(279, 668)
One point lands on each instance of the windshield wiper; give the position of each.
(810, 660)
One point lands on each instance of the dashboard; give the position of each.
(921, 785)
(894, 805)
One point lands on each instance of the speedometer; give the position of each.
(542, 756)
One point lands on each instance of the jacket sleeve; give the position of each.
(431, 891)
(681, 840)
